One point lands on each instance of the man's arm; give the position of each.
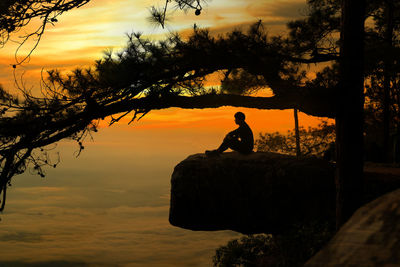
(234, 133)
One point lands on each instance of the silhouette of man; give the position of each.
(240, 140)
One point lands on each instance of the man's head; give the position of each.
(239, 118)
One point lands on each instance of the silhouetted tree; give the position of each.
(172, 73)
(16, 14)
(382, 53)
(297, 132)
(349, 96)
(147, 76)
(314, 141)
(349, 116)
(30, 123)
(292, 248)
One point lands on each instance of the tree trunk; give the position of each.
(387, 68)
(349, 120)
(297, 133)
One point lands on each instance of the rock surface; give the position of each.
(370, 238)
(260, 192)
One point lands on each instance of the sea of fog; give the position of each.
(109, 206)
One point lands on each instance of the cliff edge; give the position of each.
(257, 193)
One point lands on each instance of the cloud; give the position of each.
(81, 35)
(110, 206)
(21, 237)
(40, 189)
(43, 264)
(120, 236)
(282, 10)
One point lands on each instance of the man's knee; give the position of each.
(239, 147)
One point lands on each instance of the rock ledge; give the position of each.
(257, 193)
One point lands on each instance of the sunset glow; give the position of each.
(89, 208)
(81, 36)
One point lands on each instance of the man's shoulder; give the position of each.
(245, 125)
(245, 128)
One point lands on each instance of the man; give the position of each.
(240, 140)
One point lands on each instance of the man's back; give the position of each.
(246, 135)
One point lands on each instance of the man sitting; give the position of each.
(240, 140)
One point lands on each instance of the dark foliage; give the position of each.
(16, 14)
(144, 76)
(172, 73)
(293, 248)
(247, 251)
(313, 141)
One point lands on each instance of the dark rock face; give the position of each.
(257, 193)
(370, 238)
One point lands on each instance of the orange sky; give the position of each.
(109, 207)
(81, 36)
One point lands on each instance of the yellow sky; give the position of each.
(82, 35)
(109, 207)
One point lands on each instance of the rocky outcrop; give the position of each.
(370, 238)
(260, 192)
